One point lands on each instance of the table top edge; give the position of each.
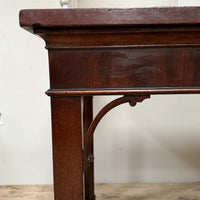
(109, 17)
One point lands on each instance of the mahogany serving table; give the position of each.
(131, 52)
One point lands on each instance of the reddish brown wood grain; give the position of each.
(123, 37)
(122, 91)
(125, 68)
(138, 51)
(87, 120)
(67, 148)
(109, 17)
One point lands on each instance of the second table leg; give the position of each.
(89, 175)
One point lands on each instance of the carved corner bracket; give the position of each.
(88, 156)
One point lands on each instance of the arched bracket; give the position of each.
(132, 100)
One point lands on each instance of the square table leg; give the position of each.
(87, 120)
(67, 148)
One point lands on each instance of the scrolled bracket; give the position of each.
(88, 156)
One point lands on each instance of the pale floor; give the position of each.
(180, 191)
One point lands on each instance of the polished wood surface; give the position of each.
(67, 148)
(150, 48)
(125, 68)
(131, 52)
(87, 120)
(109, 17)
